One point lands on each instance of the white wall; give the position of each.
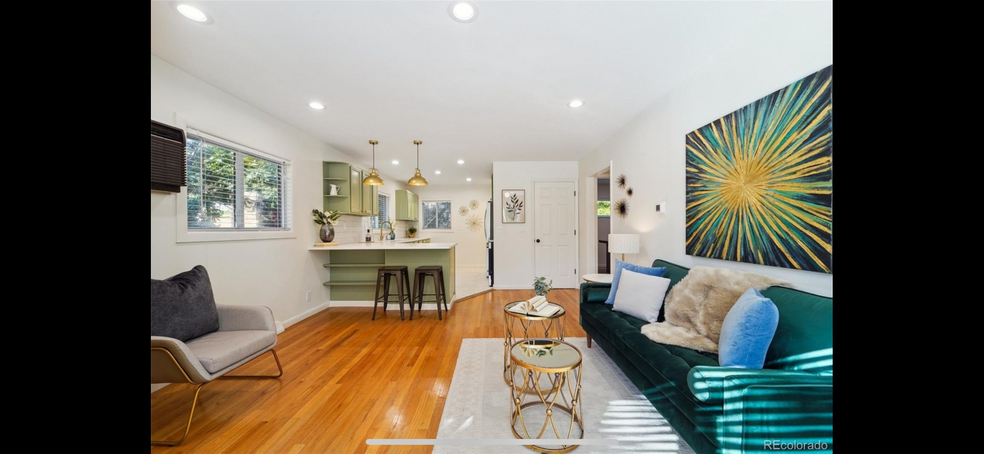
(514, 255)
(470, 250)
(650, 152)
(272, 272)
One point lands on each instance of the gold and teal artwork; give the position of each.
(759, 180)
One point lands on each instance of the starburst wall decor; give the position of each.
(759, 180)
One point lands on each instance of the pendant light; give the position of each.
(417, 179)
(373, 178)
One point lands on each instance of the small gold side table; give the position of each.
(517, 327)
(540, 413)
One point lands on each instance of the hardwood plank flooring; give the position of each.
(346, 379)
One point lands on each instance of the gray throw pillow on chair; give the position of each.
(183, 306)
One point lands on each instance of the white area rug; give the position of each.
(479, 406)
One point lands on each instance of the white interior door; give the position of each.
(555, 236)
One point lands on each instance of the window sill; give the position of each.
(238, 235)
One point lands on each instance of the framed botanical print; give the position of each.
(513, 206)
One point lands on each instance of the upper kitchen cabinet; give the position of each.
(407, 206)
(344, 192)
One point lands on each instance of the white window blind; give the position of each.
(232, 187)
(383, 211)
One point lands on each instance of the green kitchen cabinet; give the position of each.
(407, 206)
(344, 192)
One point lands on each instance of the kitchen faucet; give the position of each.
(381, 226)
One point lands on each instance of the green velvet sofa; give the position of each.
(787, 405)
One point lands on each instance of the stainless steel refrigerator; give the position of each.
(488, 242)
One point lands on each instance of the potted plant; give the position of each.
(411, 231)
(326, 220)
(541, 287)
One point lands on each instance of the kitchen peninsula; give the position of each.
(352, 267)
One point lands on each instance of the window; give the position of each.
(604, 208)
(436, 215)
(376, 221)
(233, 188)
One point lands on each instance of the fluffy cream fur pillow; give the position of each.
(696, 306)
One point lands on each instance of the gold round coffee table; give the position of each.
(542, 413)
(517, 326)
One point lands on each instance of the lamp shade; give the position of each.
(625, 243)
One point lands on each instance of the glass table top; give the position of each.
(546, 355)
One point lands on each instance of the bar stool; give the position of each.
(440, 294)
(402, 276)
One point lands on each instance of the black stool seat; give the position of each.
(440, 294)
(383, 277)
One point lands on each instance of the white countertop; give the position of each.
(385, 245)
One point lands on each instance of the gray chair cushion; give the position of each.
(221, 349)
(183, 306)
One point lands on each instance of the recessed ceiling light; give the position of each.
(468, 179)
(192, 12)
(463, 11)
(395, 161)
(461, 161)
(575, 103)
(316, 105)
(438, 172)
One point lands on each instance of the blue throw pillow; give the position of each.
(747, 331)
(619, 265)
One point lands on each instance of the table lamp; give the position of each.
(626, 243)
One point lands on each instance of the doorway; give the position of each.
(604, 220)
(597, 205)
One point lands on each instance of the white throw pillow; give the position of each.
(640, 295)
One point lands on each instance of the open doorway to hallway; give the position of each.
(598, 206)
(604, 205)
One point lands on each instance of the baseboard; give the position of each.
(303, 315)
(390, 307)
(474, 294)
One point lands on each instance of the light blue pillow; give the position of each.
(747, 331)
(619, 265)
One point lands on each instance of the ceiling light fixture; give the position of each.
(192, 12)
(575, 103)
(316, 105)
(461, 161)
(395, 162)
(468, 179)
(417, 179)
(437, 172)
(373, 178)
(463, 11)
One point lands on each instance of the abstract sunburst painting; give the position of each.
(759, 180)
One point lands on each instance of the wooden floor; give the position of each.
(346, 379)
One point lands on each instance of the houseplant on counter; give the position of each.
(411, 231)
(327, 220)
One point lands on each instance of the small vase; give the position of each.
(327, 233)
(411, 235)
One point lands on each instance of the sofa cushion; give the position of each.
(222, 349)
(640, 295)
(616, 276)
(804, 339)
(183, 306)
(747, 331)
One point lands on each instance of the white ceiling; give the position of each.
(495, 89)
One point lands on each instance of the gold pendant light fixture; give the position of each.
(417, 179)
(373, 178)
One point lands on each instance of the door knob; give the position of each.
(537, 240)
